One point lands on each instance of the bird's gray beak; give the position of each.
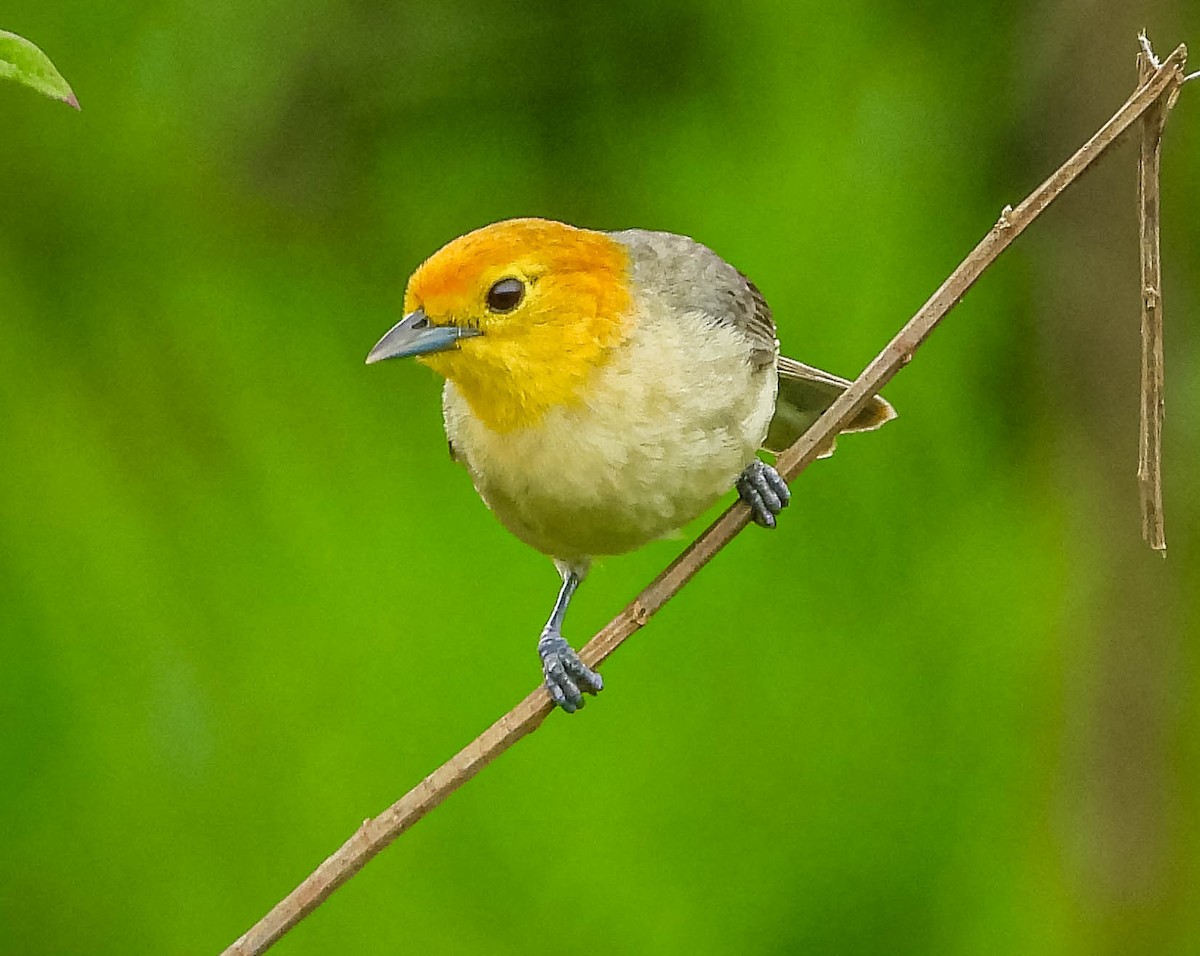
(415, 335)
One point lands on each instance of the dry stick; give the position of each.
(1150, 421)
(528, 715)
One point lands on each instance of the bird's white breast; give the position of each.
(663, 430)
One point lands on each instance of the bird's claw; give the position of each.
(567, 677)
(767, 494)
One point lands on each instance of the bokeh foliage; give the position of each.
(246, 599)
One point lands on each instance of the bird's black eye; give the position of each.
(505, 295)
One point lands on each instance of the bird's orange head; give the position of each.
(517, 315)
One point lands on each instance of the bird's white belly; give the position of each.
(663, 431)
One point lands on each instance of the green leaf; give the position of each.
(20, 60)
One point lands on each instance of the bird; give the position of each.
(602, 389)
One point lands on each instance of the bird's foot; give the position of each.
(764, 491)
(567, 677)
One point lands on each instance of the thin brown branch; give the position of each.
(1149, 471)
(528, 715)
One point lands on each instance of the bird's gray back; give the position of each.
(689, 277)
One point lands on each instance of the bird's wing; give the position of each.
(752, 315)
(688, 277)
(804, 393)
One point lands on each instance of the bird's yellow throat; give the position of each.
(576, 308)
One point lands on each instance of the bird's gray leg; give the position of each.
(764, 491)
(567, 677)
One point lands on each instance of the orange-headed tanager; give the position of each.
(603, 389)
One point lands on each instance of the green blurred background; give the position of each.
(246, 600)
